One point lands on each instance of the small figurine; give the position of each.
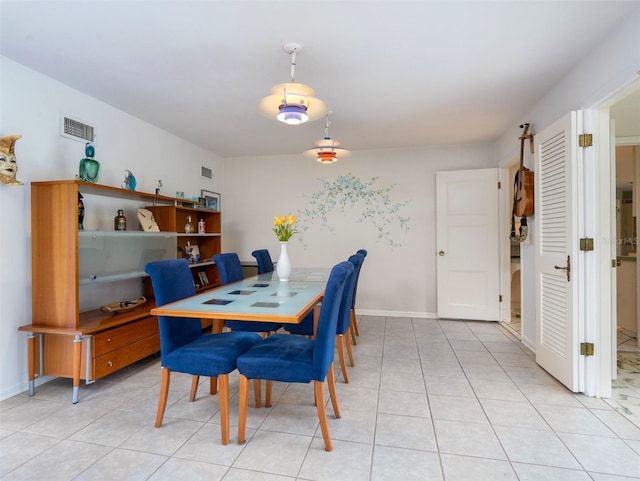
(80, 212)
(8, 165)
(129, 181)
(158, 187)
(89, 170)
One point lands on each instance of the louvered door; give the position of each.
(556, 242)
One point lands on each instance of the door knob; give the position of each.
(441, 253)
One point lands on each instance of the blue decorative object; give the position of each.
(129, 181)
(89, 170)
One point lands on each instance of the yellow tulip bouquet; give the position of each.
(283, 227)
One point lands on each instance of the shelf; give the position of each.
(119, 233)
(208, 234)
(95, 278)
(109, 191)
(107, 256)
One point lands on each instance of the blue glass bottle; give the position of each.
(89, 167)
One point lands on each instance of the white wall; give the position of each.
(31, 105)
(394, 281)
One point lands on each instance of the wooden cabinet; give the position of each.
(69, 263)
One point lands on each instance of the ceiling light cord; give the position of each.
(293, 66)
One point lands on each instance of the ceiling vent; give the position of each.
(76, 130)
(206, 172)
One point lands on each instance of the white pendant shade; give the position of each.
(292, 95)
(292, 103)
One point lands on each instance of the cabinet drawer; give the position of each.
(114, 360)
(121, 336)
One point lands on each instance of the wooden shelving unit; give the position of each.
(93, 344)
(173, 219)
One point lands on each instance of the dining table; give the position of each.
(262, 298)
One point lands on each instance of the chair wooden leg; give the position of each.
(267, 400)
(213, 385)
(331, 381)
(165, 378)
(318, 388)
(194, 388)
(343, 363)
(243, 405)
(354, 322)
(257, 393)
(223, 399)
(347, 341)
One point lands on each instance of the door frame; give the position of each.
(600, 368)
(506, 211)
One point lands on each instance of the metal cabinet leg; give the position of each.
(77, 359)
(31, 362)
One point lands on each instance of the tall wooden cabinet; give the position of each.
(65, 341)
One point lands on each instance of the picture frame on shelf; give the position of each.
(204, 280)
(211, 199)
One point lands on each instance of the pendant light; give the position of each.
(327, 150)
(292, 103)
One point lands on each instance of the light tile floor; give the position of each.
(626, 388)
(427, 400)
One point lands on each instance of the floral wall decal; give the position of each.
(347, 191)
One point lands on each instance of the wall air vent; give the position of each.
(206, 172)
(76, 130)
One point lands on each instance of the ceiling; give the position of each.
(394, 73)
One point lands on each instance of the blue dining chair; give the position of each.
(263, 258)
(354, 323)
(297, 359)
(343, 328)
(183, 346)
(230, 270)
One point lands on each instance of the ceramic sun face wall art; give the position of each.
(8, 164)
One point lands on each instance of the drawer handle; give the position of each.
(108, 339)
(110, 364)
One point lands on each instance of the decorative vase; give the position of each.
(188, 227)
(89, 170)
(283, 267)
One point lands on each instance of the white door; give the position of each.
(468, 244)
(556, 243)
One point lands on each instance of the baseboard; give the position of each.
(23, 387)
(375, 312)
